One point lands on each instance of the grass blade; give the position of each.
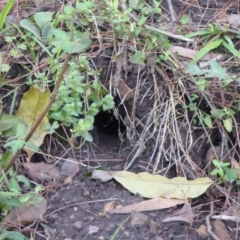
(207, 49)
(117, 230)
(231, 49)
(5, 12)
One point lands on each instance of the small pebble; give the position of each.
(92, 229)
(78, 225)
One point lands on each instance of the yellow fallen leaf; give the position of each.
(31, 106)
(155, 186)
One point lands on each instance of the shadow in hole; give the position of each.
(106, 123)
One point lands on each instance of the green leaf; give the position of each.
(5, 159)
(218, 71)
(24, 180)
(87, 136)
(61, 35)
(206, 49)
(12, 235)
(238, 182)
(26, 24)
(142, 20)
(136, 4)
(108, 102)
(225, 164)
(221, 172)
(139, 57)
(14, 186)
(216, 162)
(115, 4)
(231, 49)
(42, 45)
(42, 18)
(229, 40)
(208, 121)
(68, 10)
(5, 12)
(15, 145)
(218, 113)
(214, 172)
(193, 69)
(5, 125)
(184, 19)
(46, 32)
(81, 45)
(199, 33)
(228, 124)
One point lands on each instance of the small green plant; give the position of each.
(10, 190)
(80, 97)
(12, 235)
(226, 174)
(215, 70)
(221, 38)
(3, 66)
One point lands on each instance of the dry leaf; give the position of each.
(67, 180)
(104, 176)
(202, 231)
(220, 230)
(124, 91)
(190, 53)
(70, 168)
(41, 171)
(186, 215)
(155, 186)
(32, 104)
(108, 207)
(234, 20)
(235, 163)
(187, 212)
(149, 205)
(25, 215)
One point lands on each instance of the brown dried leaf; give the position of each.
(109, 206)
(235, 163)
(202, 231)
(234, 20)
(70, 168)
(187, 212)
(220, 230)
(186, 215)
(124, 91)
(190, 53)
(41, 171)
(149, 205)
(25, 215)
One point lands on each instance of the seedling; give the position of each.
(226, 174)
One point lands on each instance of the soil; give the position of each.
(76, 211)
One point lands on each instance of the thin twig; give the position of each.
(209, 227)
(171, 10)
